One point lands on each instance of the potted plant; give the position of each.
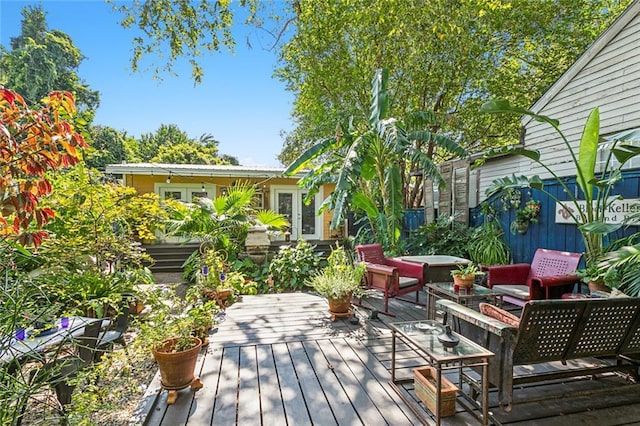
(486, 246)
(201, 316)
(176, 357)
(338, 281)
(465, 275)
(524, 217)
(597, 277)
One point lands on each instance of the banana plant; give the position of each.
(588, 208)
(364, 162)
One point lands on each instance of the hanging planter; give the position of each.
(525, 216)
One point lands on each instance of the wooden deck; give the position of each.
(279, 360)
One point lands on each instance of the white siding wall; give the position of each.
(610, 80)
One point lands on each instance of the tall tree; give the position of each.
(108, 146)
(175, 29)
(366, 163)
(169, 144)
(442, 56)
(42, 60)
(189, 152)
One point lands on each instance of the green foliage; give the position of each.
(291, 266)
(180, 29)
(223, 223)
(98, 220)
(42, 60)
(368, 164)
(90, 292)
(340, 278)
(590, 219)
(625, 261)
(486, 245)
(258, 273)
(450, 57)
(443, 236)
(108, 146)
(466, 270)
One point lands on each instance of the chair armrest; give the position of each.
(476, 318)
(507, 274)
(407, 269)
(556, 281)
(376, 268)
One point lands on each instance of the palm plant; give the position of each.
(366, 164)
(224, 221)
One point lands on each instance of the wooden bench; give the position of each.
(558, 332)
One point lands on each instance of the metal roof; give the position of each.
(214, 170)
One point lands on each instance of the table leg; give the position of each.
(485, 393)
(438, 393)
(431, 305)
(393, 356)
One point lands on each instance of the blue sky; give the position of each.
(238, 102)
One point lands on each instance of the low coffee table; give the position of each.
(422, 336)
(470, 297)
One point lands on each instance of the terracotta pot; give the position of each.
(135, 307)
(598, 286)
(340, 306)
(176, 368)
(464, 281)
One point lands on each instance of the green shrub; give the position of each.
(443, 236)
(258, 273)
(291, 267)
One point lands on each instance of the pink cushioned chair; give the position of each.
(394, 277)
(522, 282)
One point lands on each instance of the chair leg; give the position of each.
(63, 393)
(386, 299)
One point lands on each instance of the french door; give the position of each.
(304, 220)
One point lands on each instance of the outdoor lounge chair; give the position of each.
(394, 277)
(549, 270)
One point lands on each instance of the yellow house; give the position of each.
(275, 191)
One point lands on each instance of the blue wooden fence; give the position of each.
(546, 233)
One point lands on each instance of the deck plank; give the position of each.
(199, 415)
(314, 396)
(376, 387)
(224, 408)
(278, 359)
(339, 401)
(294, 405)
(363, 404)
(248, 391)
(270, 395)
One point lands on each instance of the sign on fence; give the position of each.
(616, 212)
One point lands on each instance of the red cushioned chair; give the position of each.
(394, 277)
(522, 282)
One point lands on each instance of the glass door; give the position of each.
(305, 223)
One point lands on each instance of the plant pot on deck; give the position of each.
(177, 368)
(464, 281)
(424, 380)
(340, 306)
(598, 286)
